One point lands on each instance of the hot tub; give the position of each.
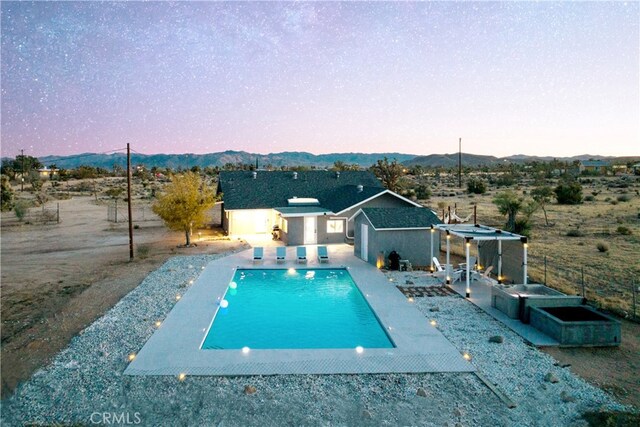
(576, 326)
(516, 300)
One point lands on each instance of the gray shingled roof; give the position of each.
(413, 217)
(271, 189)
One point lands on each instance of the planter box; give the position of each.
(576, 326)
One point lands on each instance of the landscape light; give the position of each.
(158, 323)
(359, 349)
(433, 323)
(191, 282)
(410, 299)
(224, 303)
(182, 376)
(466, 356)
(132, 356)
(178, 297)
(245, 350)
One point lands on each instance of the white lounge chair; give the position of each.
(441, 271)
(301, 254)
(323, 254)
(476, 275)
(281, 254)
(258, 254)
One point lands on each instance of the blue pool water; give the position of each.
(295, 309)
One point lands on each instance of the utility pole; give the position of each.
(129, 202)
(460, 162)
(22, 174)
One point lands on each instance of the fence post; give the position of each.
(582, 281)
(634, 290)
(116, 211)
(58, 213)
(545, 270)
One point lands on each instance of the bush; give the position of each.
(476, 186)
(625, 231)
(21, 207)
(623, 198)
(423, 192)
(7, 194)
(589, 199)
(569, 193)
(575, 233)
(602, 247)
(523, 226)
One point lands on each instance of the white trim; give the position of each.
(294, 215)
(378, 195)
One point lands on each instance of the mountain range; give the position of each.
(290, 158)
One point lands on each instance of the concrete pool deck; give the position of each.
(175, 347)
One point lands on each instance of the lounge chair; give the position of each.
(258, 254)
(281, 254)
(323, 255)
(476, 275)
(301, 254)
(441, 271)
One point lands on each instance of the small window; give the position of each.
(283, 225)
(335, 226)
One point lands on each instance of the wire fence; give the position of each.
(118, 212)
(600, 288)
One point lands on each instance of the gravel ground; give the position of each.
(84, 384)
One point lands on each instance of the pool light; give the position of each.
(224, 303)
(291, 271)
(359, 349)
(245, 350)
(233, 285)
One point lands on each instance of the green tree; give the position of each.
(184, 202)
(476, 186)
(7, 194)
(542, 195)
(389, 173)
(508, 204)
(569, 192)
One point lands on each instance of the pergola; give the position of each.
(478, 232)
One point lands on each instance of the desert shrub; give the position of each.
(523, 226)
(602, 247)
(614, 202)
(442, 205)
(589, 199)
(7, 194)
(623, 198)
(575, 233)
(143, 251)
(423, 192)
(476, 186)
(569, 193)
(607, 199)
(625, 231)
(21, 207)
(506, 180)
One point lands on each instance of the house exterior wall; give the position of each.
(412, 245)
(295, 231)
(385, 201)
(324, 237)
(249, 221)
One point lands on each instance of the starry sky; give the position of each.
(537, 78)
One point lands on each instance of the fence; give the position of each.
(598, 286)
(118, 212)
(45, 215)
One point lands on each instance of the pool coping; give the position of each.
(174, 348)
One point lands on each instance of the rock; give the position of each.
(366, 414)
(497, 339)
(566, 397)
(409, 282)
(421, 392)
(457, 413)
(458, 425)
(434, 309)
(551, 378)
(249, 389)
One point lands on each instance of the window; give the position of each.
(283, 225)
(335, 226)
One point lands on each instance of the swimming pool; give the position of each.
(294, 309)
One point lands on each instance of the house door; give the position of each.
(261, 222)
(310, 230)
(364, 242)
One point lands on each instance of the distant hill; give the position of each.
(295, 158)
(292, 158)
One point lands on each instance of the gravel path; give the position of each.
(85, 385)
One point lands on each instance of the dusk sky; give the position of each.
(541, 78)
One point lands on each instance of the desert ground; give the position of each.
(57, 278)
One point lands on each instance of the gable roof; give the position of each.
(400, 218)
(272, 189)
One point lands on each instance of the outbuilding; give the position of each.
(406, 230)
